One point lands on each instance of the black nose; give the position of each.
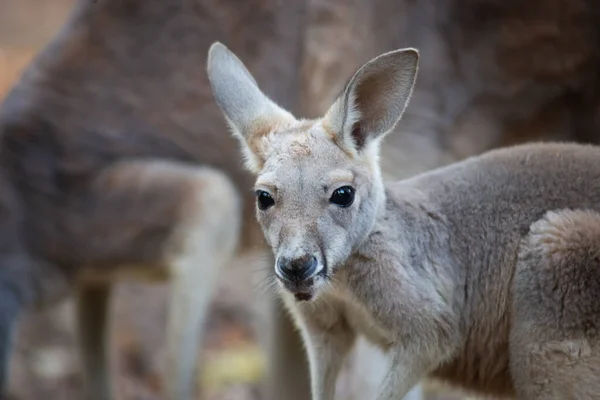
(297, 269)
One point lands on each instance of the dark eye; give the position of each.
(343, 196)
(264, 200)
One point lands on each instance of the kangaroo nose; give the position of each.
(297, 269)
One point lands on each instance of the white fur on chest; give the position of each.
(356, 314)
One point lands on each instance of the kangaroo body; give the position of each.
(484, 272)
(488, 269)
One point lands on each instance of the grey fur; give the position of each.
(391, 76)
(484, 273)
(236, 90)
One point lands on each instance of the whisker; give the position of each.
(267, 285)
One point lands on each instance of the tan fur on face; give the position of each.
(296, 137)
(336, 139)
(257, 140)
(297, 140)
(300, 147)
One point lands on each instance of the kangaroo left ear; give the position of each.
(374, 99)
(249, 112)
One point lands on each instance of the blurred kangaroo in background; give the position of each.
(485, 272)
(114, 161)
(114, 166)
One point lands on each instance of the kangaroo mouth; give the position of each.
(303, 296)
(304, 290)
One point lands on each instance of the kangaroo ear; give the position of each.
(249, 112)
(374, 99)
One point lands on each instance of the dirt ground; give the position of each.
(45, 365)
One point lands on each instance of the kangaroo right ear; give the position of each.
(374, 99)
(249, 112)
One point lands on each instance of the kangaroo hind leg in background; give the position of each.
(181, 223)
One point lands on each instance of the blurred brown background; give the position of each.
(25, 26)
(45, 364)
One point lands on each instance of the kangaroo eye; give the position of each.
(343, 196)
(264, 200)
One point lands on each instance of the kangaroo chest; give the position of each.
(358, 317)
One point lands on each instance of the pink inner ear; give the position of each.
(357, 136)
(375, 98)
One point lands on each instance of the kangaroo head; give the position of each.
(319, 187)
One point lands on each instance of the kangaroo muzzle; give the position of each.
(298, 275)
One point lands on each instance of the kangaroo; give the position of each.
(483, 272)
